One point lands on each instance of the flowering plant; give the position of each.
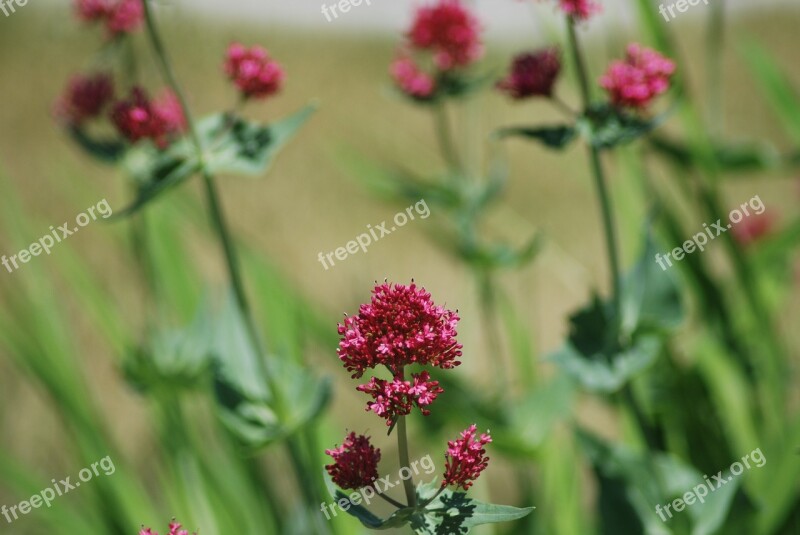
(398, 329)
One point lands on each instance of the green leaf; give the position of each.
(605, 126)
(174, 356)
(780, 93)
(554, 137)
(651, 297)
(455, 512)
(397, 519)
(607, 373)
(740, 158)
(233, 145)
(108, 151)
(157, 174)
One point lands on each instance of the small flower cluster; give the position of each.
(118, 16)
(253, 71)
(355, 462)
(399, 327)
(580, 9)
(532, 74)
(137, 117)
(450, 33)
(639, 78)
(174, 529)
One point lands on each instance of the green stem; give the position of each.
(391, 500)
(445, 136)
(402, 448)
(307, 483)
(601, 185)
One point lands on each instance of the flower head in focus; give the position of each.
(85, 97)
(140, 118)
(412, 80)
(580, 9)
(397, 397)
(399, 326)
(465, 459)
(253, 72)
(639, 78)
(355, 462)
(448, 30)
(532, 74)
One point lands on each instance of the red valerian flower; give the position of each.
(355, 462)
(636, 81)
(465, 459)
(412, 80)
(400, 326)
(580, 9)
(140, 118)
(253, 71)
(174, 529)
(753, 228)
(532, 74)
(450, 31)
(119, 16)
(397, 397)
(85, 97)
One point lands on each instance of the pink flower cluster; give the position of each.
(397, 397)
(580, 9)
(174, 529)
(751, 229)
(466, 459)
(355, 462)
(448, 30)
(159, 120)
(84, 98)
(119, 16)
(400, 326)
(639, 78)
(532, 74)
(253, 71)
(450, 33)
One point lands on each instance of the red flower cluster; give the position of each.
(140, 118)
(355, 463)
(532, 74)
(465, 459)
(450, 31)
(85, 97)
(580, 9)
(253, 71)
(119, 16)
(636, 81)
(400, 326)
(174, 529)
(447, 30)
(397, 397)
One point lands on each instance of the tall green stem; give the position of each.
(307, 482)
(600, 183)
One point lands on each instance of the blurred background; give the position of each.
(313, 201)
